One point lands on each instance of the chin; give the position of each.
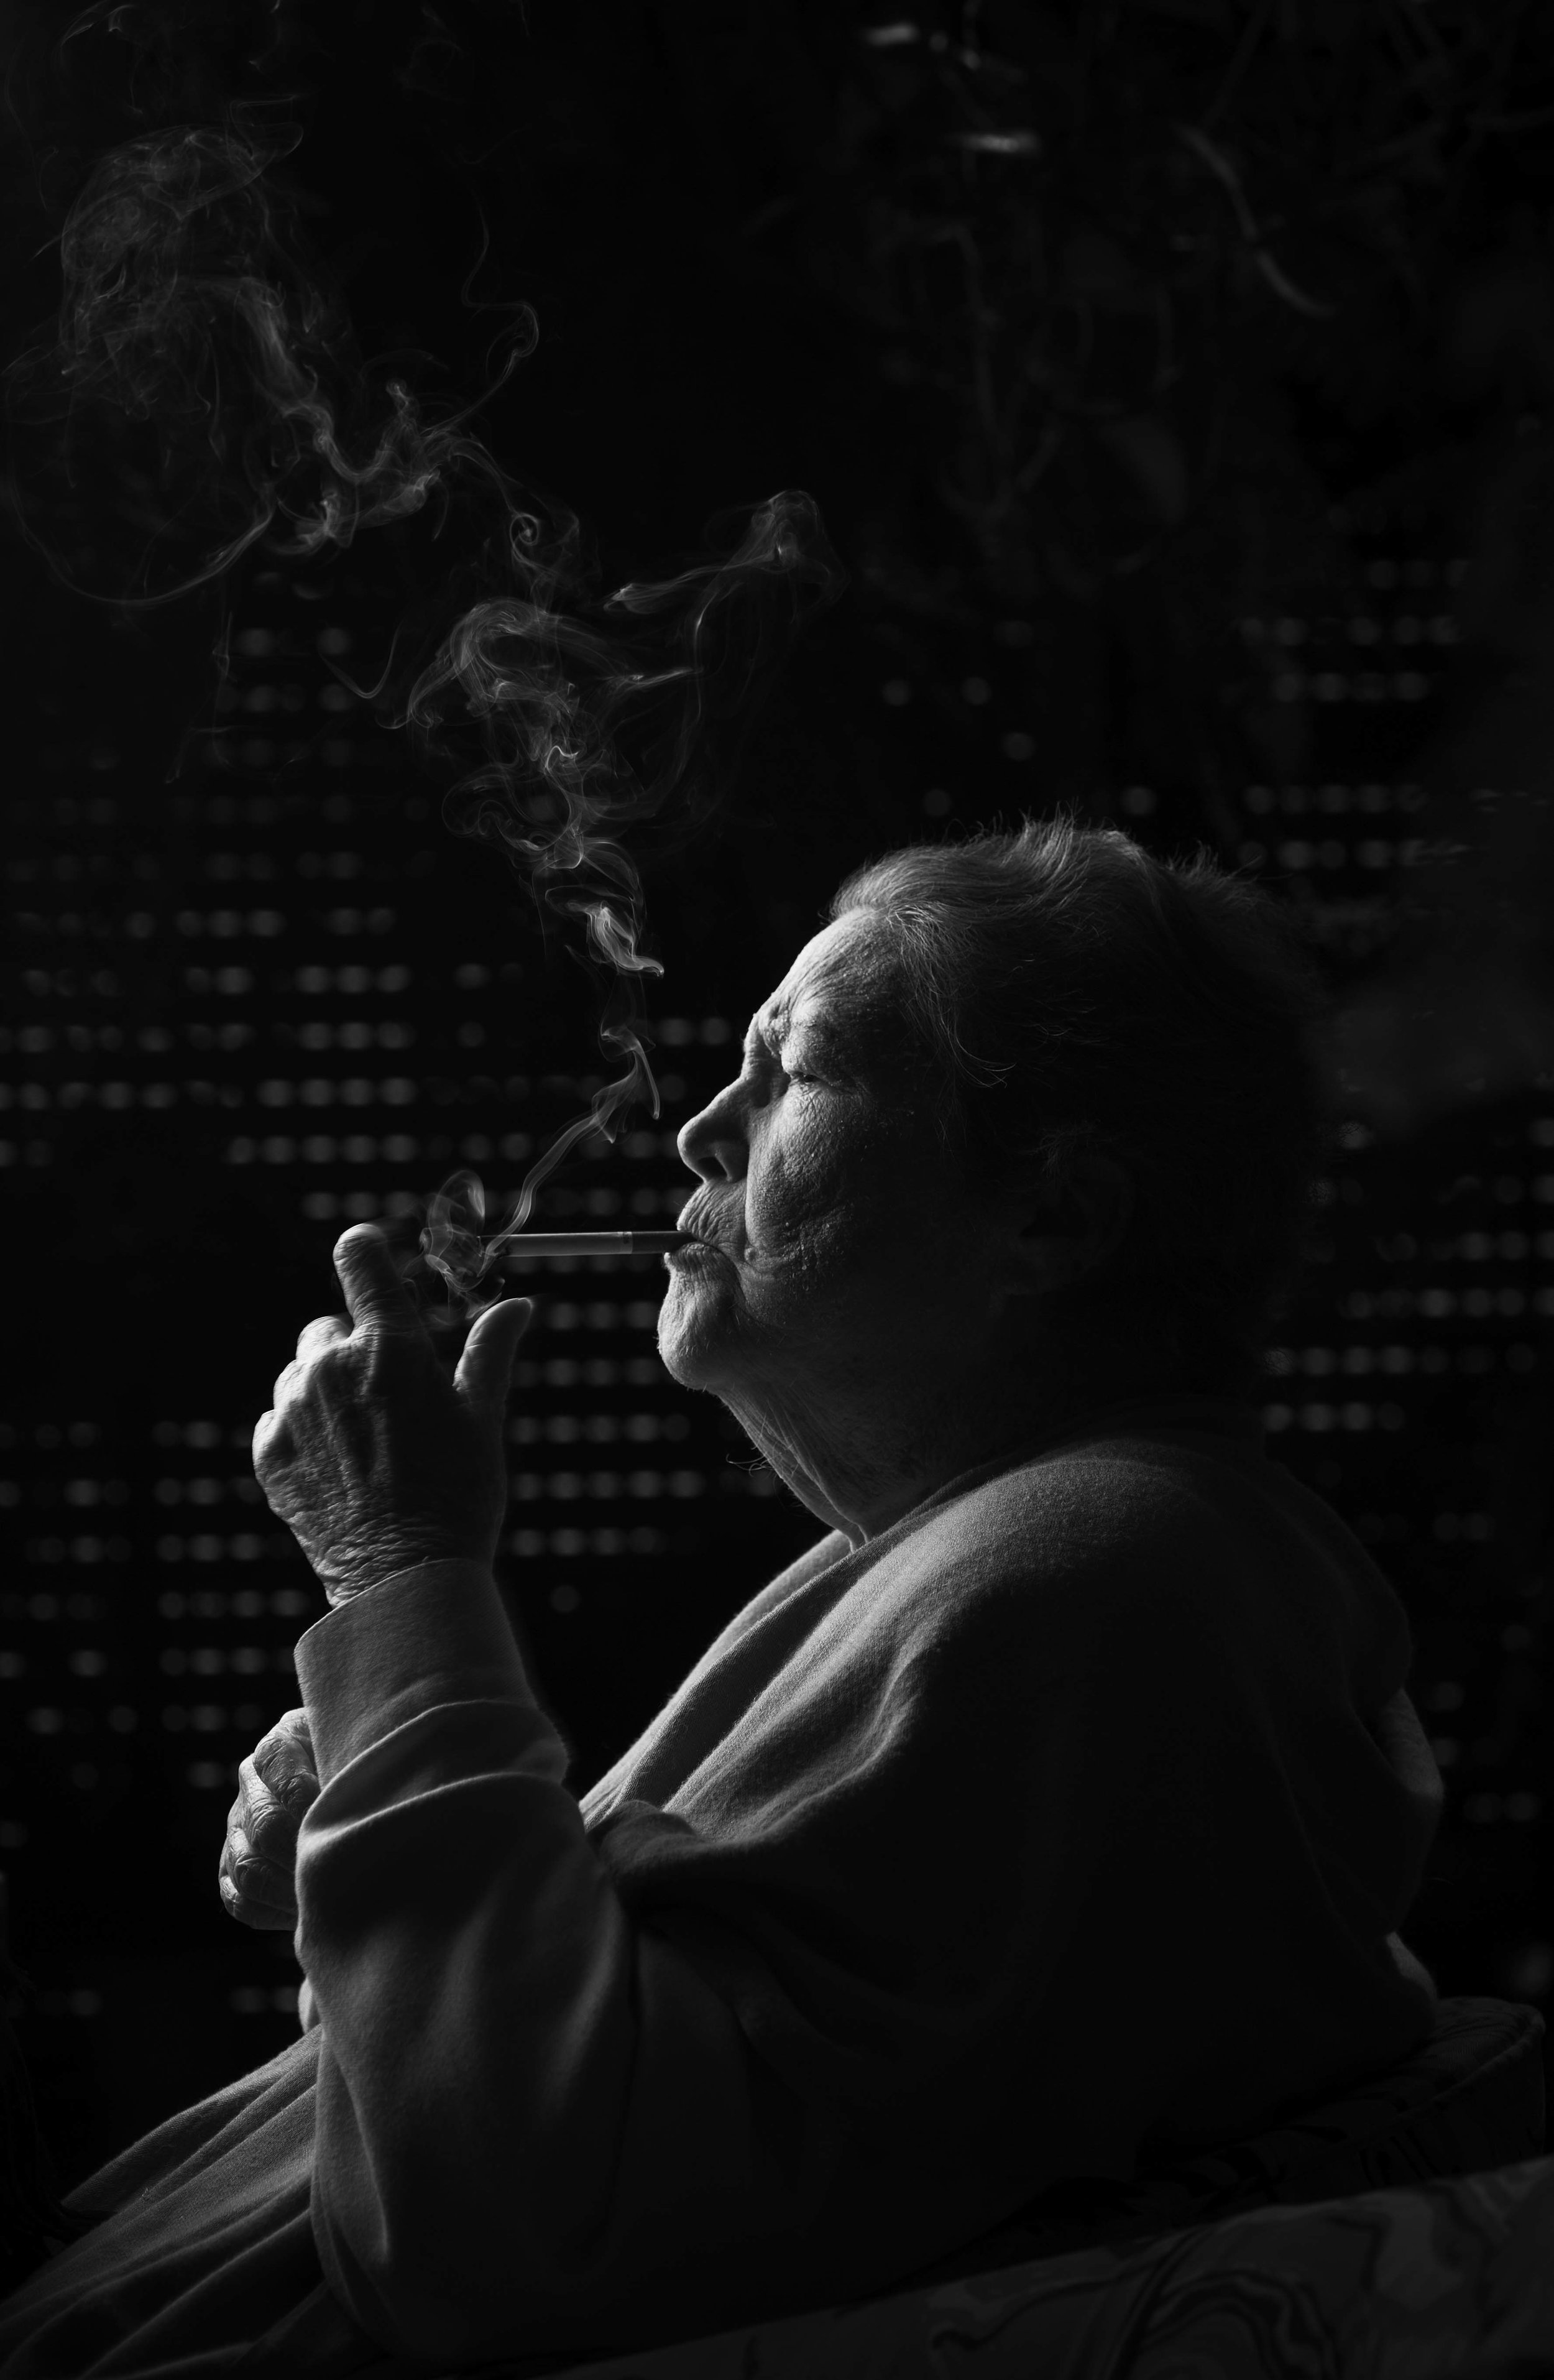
(697, 1334)
(686, 1338)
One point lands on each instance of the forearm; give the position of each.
(516, 2081)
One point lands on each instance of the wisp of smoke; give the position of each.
(201, 362)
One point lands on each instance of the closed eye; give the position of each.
(763, 1058)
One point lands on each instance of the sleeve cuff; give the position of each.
(434, 1634)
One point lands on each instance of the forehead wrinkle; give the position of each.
(774, 1025)
(772, 1016)
(845, 997)
(774, 1019)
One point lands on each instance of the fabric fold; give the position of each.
(1068, 1826)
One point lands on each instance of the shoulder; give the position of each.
(1084, 1540)
(1082, 1504)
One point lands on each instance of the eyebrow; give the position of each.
(820, 1032)
(778, 1021)
(772, 1030)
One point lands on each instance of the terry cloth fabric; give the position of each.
(1065, 1827)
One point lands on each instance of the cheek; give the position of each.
(794, 1184)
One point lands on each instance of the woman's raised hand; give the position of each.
(276, 1784)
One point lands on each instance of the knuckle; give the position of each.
(262, 1920)
(261, 1885)
(273, 1834)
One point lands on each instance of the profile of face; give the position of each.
(824, 1207)
(848, 1277)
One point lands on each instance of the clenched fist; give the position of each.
(276, 1782)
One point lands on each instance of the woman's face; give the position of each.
(841, 1241)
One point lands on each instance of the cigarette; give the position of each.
(596, 1244)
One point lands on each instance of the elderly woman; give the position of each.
(1052, 1815)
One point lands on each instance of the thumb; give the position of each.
(486, 1366)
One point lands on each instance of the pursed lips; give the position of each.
(695, 1227)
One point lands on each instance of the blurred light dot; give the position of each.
(896, 691)
(936, 801)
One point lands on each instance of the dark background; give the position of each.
(1172, 383)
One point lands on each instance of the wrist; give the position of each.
(342, 1585)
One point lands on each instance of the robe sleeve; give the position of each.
(530, 2112)
(1055, 1841)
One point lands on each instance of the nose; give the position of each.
(714, 1143)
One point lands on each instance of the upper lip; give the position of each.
(691, 1226)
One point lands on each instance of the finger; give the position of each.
(280, 1769)
(258, 1811)
(315, 1336)
(264, 1881)
(256, 1878)
(291, 1780)
(485, 1369)
(241, 1899)
(290, 1740)
(293, 1739)
(378, 1299)
(324, 1330)
(266, 1816)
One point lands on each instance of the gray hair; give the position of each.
(1073, 994)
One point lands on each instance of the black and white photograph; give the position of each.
(777, 1128)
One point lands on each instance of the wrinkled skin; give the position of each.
(872, 1319)
(378, 1460)
(275, 1785)
(374, 1458)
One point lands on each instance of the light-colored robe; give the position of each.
(1070, 1821)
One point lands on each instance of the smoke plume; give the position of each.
(200, 395)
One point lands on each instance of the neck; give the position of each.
(859, 1469)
